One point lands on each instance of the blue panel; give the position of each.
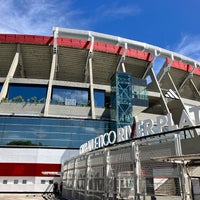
(67, 133)
(99, 98)
(140, 96)
(27, 93)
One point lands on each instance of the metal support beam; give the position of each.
(156, 54)
(89, 71)
(194, 86)
(138, 180)
(122, 59)
(174, 88)
(153, 76)
(189, 76)
(10, 74)
(180, 100)
(167, 68)
(90, 55)
(52, 74)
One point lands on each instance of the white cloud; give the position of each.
(189, 46)
(37, 16)
(118, 11)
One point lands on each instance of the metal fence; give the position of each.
(129, 171)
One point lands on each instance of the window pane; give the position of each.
(99, 98)
(68, 133)
(27, 93)
(70, 96)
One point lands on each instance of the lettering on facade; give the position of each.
(146, 127)
(107, 139)
(143, 128)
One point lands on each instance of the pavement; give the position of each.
(13, 196)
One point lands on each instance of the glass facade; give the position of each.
(76, 96)
(121, 99)
(70, 96)
(27, 93)
(49, 132)
(99, 98)
(140, 96)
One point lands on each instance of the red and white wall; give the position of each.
(23, 169)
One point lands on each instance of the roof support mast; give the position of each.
(10, 74)
(167, 68)
(52, 74)
(156, 54)
(122, 59)
(89, 65)
(190, 75)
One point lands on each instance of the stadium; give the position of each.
(60, 91)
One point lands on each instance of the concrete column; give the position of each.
(10, 74)
(52, 74)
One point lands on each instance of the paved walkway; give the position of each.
(8, 196)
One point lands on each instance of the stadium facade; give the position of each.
(60, 91)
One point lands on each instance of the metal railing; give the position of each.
(130, 171)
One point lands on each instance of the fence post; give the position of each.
(138, 182)
(185, 180)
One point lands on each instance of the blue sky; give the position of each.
(170, 24)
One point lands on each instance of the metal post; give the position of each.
(185, 179)
(138, 181)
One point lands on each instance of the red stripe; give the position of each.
(28, 169)
(184, 66)
(74, 43)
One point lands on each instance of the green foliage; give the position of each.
(24, 143)
(18, 99)
(34, 99)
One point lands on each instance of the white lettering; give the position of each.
(185, 120)
(127, 131)
(148, 125)
(170, 123)
(196, 110)
(105, 139)
(120, 134)
(161, 121)
(138, 131)
(112, 137)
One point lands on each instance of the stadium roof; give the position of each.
(108, 53)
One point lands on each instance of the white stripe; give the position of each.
(173, 93)
(34, 155)
(170, 95)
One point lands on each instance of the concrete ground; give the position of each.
(12, 196)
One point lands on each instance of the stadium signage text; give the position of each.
(106, 139)
(143, 128)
